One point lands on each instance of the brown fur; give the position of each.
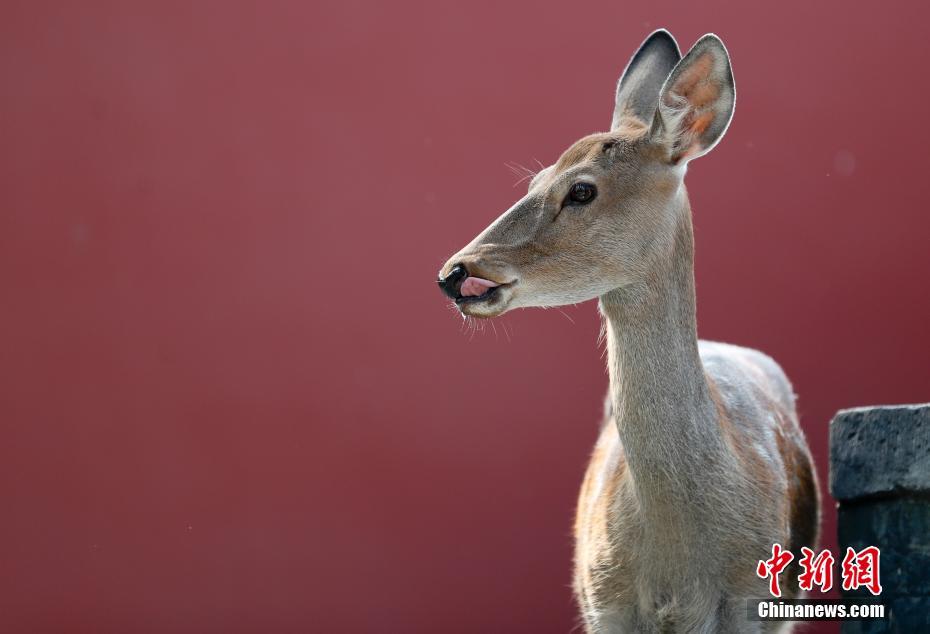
(803, 503)
(693, 84)
(588, 148)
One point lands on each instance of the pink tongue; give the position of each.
(474, 286)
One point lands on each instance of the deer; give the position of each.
(700, 465)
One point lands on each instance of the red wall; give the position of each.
(233, 399)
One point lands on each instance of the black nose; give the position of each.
(452, 282)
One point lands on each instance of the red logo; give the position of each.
(859, 569)
(817, 571)
(773, 567)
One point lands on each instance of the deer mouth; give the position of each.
(473, 295)
(476, 289)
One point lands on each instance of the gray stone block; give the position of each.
(908, 615)
(880, 450)
(900, 528)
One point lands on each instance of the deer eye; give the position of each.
(580, 194)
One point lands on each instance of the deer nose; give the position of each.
(451, 283)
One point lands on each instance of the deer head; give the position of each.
(606, 214)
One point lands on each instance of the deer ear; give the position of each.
(639, 85)
(696, 103)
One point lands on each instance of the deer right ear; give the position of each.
(639, 85)
(696, 103)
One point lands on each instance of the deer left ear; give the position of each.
(639, 85)
(696, 103)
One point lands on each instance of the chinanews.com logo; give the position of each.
(859, 569)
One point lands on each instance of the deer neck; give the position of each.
(659, 394)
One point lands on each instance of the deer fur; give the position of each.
(700, 465)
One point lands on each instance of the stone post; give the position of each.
(880, 476)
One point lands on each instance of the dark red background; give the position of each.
(233, 399)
